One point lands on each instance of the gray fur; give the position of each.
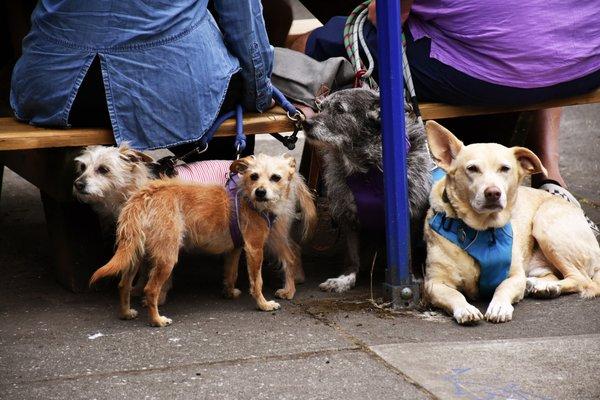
(347, 133)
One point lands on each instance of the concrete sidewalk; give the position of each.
(58, 345)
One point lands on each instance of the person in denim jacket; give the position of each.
(161, 69)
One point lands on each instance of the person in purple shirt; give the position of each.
(469, 52)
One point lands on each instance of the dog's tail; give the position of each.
(130, 240)
(308, 210)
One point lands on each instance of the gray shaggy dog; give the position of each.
(347, 133)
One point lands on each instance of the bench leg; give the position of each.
(76, 243)
(1, 177)
(310, 166)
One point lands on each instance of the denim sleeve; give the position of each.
(245, 34)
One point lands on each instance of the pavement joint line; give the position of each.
(363, 347)
(243, 360)
(495, 341)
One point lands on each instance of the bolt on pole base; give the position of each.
(403, 296)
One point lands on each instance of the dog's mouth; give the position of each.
(490, 207)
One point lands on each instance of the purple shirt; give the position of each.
(518, 43)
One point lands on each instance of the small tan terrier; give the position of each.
(166, 215)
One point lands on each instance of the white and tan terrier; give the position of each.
(107, 176)
(166, 215)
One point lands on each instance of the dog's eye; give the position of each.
(81, 167)
(103, 170)
(275, 178)
(504, 168)
(339, 107)
(254, 176)
(473, 168)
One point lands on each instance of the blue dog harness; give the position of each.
(491, 248)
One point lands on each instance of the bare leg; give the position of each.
(297, 42)
(543, 140)
(232, 261)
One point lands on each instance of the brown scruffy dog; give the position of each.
(167, 215)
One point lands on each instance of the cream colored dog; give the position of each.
(551, 242)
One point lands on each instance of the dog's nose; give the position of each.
(492, 193)
(79, 185)
(260, 193)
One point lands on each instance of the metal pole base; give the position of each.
(403, 296)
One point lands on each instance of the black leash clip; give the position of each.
(290, 141)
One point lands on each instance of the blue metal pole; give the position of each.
(398, 286)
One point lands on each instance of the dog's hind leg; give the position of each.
(347, 280)
(299, 276)
(254, 259)
(163, 247)
(158, 276)
(125, 310)
(230, 267)
(570, 247)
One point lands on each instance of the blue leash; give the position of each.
(240, 137)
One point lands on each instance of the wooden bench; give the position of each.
(44, 157)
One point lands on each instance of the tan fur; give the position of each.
(552, 243)
(169, 214)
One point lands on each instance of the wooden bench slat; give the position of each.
(440, 111)
(15, 135)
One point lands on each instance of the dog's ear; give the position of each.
(241, 165)
(528, 162)
(291, 160)
(443, 144)
(134, 156)
(292, 165)
(374, 112)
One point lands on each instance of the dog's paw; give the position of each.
(499, 311)
(161, 322)
(544, 289)
(129, 314)
(340, 284)
(467, 315)
(590, 292)
(232, 293)
(269, 306)
(285, 294)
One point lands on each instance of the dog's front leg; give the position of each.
(231, 265)
(510, 291)
(452, 301)
(254, 259)
(287, 258)
(347, 280)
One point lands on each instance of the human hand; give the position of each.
(373, 13)
(405, 10)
